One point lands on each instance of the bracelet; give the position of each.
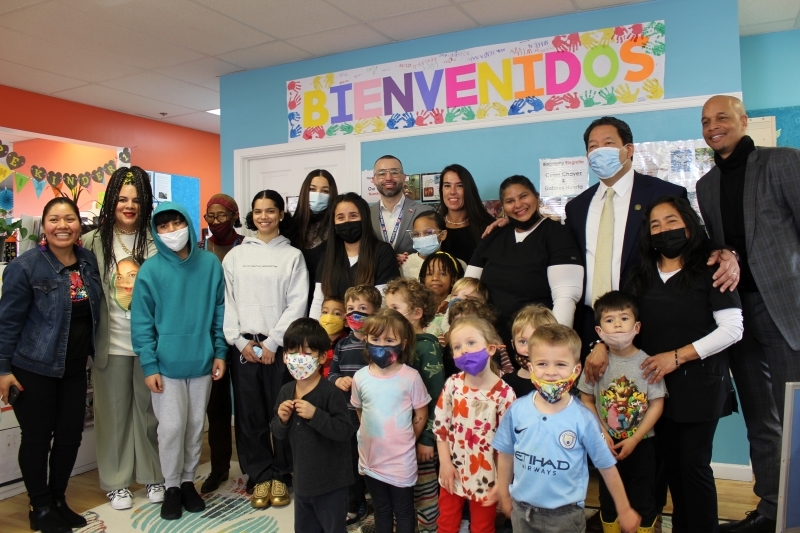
(594, 343)
(677, 364)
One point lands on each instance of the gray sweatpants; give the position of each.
(529, 519)
(181, 410)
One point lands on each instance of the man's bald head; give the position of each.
(724, 123)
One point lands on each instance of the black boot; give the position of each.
(192, 501)
(73, 519)
(171, 508)
(46, 520)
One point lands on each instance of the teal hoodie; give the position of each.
(178, 309)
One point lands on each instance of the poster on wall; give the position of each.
(612, 66)
(429, 186)
(678, 162)
(566, 176)
(368, 190)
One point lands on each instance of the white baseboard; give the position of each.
(732, 472)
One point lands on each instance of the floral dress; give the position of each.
(467, 419)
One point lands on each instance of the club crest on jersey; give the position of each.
(567, 439)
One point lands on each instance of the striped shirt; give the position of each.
(348, 358)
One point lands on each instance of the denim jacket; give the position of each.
(36, 307)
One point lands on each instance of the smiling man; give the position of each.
(750, 202)
(394, 214)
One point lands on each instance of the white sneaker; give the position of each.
(155, 492)
(121, 499)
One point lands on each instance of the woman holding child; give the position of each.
(686, 326)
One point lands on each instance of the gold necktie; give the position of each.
(601, 279)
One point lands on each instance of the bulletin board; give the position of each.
(183, 190)
(789, 492)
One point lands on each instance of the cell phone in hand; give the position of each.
(13, 394)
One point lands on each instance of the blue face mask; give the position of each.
(318, 201)
(605, 161)
(384, 356)
(426, 245)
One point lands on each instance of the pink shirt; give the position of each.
(386, 440)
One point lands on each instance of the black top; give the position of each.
(385, 269)
(460, 243)
(516, 273)
(674, 315)
(520, 385)
(731, 191)
(320, 446)
(79, 342)
(313, 257)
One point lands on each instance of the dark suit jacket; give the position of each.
(772, 230)
(646, 189)
(411, 209)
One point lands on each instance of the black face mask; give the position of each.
(524, 226)
(349, 232)
(670, 243)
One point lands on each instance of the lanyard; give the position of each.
(396, 226)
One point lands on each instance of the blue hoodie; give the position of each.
(178, 308)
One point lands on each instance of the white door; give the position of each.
(762, 131)
(285, 168)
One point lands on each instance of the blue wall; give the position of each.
(771, 70)
(254, 108)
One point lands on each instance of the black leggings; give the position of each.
(50, 409)
(389, 500)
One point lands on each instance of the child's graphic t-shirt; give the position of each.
(549, 450)
(386, 440)
(622, 395)
(467, 419)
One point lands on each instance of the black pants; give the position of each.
(686, 450)
(638, 473)
(50, 409)
(255, 392)
(325, 513)
(219, 421)
(389, 500)
(356, 491)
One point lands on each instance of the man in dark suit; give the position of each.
(607, 218)
(393, 215)
(750, 201)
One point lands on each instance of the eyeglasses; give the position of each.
(426, 233)
(394, 172)
(219, 217)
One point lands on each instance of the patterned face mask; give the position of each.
(301, 365)
(553, 391)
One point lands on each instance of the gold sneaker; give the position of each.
(279, 494)
(261, 495)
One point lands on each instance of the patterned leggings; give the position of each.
(426, 494)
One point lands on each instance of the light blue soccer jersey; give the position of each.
(550, 467)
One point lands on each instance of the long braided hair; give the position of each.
(126, 176)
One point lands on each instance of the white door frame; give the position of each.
(348, 181)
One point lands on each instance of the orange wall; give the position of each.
(154, 145)
(58, 157)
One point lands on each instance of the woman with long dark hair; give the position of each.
(354, 255)
(312, 220)
(125, 424)
(266, 289)
(532, 259)
(49, 310)
(463, 211)
(686, 326)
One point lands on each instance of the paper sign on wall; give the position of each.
(604, 67)
(567, 176)
(368, 190)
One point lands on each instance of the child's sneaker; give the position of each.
(121, 499)
(353, 518)
(464, 527)
(192, 501)
(171, 508)
(155, 492)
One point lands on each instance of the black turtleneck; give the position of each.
(732, 199)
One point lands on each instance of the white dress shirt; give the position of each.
(390, 218)
(622, 201)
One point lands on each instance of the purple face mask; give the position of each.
(472, 363)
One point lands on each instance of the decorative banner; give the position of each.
(21, 181)
(609, 66)
(4, 172)
(39, 186)
(567, 176)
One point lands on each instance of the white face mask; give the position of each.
(301, 365)
(176, 240)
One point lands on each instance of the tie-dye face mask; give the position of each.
(553, 391)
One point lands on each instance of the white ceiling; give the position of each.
(162, 59)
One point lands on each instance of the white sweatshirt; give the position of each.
(266, 289)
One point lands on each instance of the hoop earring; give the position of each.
(43, 243)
